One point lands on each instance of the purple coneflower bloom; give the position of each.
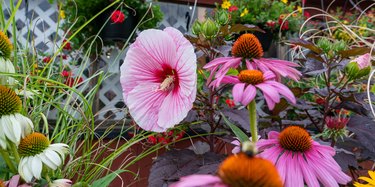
(300, 160)
(247, 81)
(159, 78)
(248, 48)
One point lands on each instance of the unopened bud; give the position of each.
(209, 28)
(222, 17)
(196, 28)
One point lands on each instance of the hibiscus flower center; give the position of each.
(10, 103)
(242, 170)
(295, 139)
(33, 144)
(168, 78)
(251, 76)
(247, 46)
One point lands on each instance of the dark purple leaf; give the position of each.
(172, 165)
(239, 117)
(345, 160)
(354, 52)
(313, 67)
(364, 128)
(244, 27)
(306, 44)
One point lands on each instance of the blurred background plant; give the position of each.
(128, 13)
(271, 16)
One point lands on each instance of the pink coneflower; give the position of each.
(248, 48)
(247, 82)
(300, 160)
(159, 79)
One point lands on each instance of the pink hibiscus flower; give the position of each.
(159, 78)
(247, 81)
(248, 48)
(301, 160)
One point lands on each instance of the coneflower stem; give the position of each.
(15, 153)
(8, 161)
(253, 120)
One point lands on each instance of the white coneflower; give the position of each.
(61, 183)
(6, 66)
(13, 125)
(36, 151)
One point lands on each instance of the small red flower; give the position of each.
(285, 26)
(70, 81)
(164, 140)
(117, 16)
(271, 23)
(230, 103)
(152, 140)
(232, 8)
(66, 73)
(67, 46)
(46, 59)
(320, 101)
(306, 14)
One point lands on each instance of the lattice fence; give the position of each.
(36, 26)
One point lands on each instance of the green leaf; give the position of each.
(237, 131)
(106, 180)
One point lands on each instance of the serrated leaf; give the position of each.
(106, 180)
(306, 44)
(237, 131)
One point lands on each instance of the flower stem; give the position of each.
(15, 153)
(253, 120)
(8, 161)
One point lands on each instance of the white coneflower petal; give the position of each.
(24, 170)
(6, 66)
(37, 166)
(60, 148)
(35, 151)
(47, 161)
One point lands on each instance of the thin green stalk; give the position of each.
(253, 120)
(8, 161)
(15, 153)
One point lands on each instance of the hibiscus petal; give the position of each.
(144, 103)
(173, 110)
